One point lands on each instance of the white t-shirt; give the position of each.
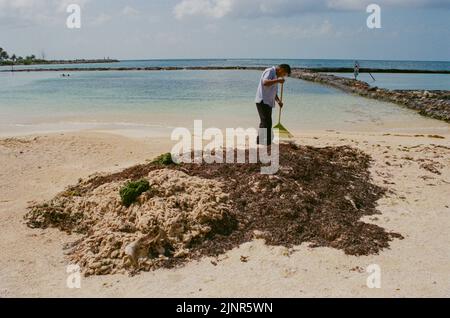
(267, 94)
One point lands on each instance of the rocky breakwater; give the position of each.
(435, 103)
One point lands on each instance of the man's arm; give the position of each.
(273, 82)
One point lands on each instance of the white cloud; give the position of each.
(130, 11)
(348, 5)
(257, 8)
(49, 5)
(298, 32)
(31, 12)
(102, 18)
(210, 8)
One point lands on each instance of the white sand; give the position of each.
(32, 262)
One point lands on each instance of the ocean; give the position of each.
(307, 63)
(156, 102)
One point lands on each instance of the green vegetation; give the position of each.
(132, 190)
(3, 55)
(6, 59)
(164, 159)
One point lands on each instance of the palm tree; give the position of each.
(3, 55)
(13, 59)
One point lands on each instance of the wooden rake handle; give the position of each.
(281, 98)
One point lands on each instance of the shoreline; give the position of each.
(422, 127)
(57, 62)
(219, 68)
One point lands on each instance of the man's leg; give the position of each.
(265, 115)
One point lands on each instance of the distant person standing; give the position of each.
(356, 70)
(266, 96)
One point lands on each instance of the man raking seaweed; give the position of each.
(266, 97)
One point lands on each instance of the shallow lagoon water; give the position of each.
(161, 100)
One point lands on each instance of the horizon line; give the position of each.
(255, 58)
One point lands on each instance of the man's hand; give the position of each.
(274, 81)
(280, 103)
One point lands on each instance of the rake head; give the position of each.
(283, 132)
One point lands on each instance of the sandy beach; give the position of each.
(413, 166)
(224, 156)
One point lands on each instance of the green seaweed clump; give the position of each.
(132, 190)
(164, 159)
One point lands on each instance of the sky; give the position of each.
(163, 29)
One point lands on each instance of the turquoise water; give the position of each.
(44, 101)
(309, 63)
(405, 81)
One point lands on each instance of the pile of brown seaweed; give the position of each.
(318, 196)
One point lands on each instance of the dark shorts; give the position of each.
(265, 125)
